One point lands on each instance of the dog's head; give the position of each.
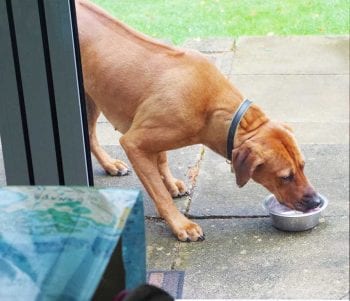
(273, 159)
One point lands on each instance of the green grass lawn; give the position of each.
(180, 19)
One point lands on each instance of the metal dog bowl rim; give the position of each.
(324, 205)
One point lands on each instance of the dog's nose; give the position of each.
(314, 203)
(311, 200)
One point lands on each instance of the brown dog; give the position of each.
(162, 98)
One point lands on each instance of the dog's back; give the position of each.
(122, 68)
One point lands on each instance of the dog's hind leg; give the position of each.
(110, 165)
(175, 187)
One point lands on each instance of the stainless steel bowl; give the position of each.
(291, 220)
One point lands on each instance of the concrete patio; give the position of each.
(303, 81)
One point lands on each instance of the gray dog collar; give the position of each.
(242, 109)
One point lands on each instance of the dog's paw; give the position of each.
(188, 231)
(117, 168)
(176, 188)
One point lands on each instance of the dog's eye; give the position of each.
(288, 178)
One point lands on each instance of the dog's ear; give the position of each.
(245, 160)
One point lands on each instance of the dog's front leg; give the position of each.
(145, 165)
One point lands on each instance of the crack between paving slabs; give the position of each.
(233, 48)
(192, 175)
(200, 217)
(206, 217)
(234, 45)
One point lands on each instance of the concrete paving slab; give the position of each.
(102, 118)
(223, 61)
(249, 259)
(292, 55)
(298, 98)
(210, 45)
(216, 193)
(321, 132)
(162, 246)
(106, 134)
(180, 161)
